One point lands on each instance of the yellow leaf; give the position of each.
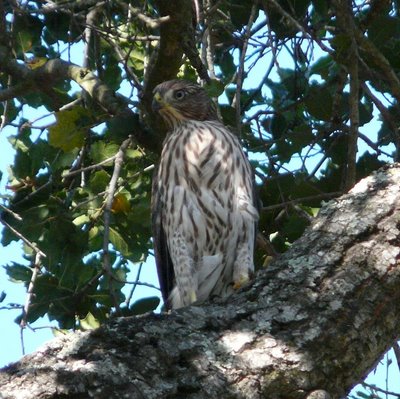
(121, 204)
(36, 62)
(70, 130)
(89, 322)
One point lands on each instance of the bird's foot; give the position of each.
(243, 280)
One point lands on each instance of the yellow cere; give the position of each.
(157, 97)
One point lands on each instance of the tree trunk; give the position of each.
(310, 326)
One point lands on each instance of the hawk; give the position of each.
(203, 206)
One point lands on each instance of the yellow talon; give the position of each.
(241, 282)
(193, 297)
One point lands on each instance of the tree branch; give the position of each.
(56, 69)
(346, 24)
(334, 292)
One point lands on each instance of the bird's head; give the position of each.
(180, 100)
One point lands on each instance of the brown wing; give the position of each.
(165, 268)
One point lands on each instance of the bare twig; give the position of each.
(88, 168)
(396, 349)
(292, 21)
(350, 180)
(386, 115)
(373, 145)
(241, 69)
(135, 283)
(152, 23)
(13, 214)
(119, 157)
(375, 388)
(297, 200)
(23, 238)
(107, 212)
(123, 58)
(142, 283)
(28, 301)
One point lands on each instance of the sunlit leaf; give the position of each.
(119, 242)
(70, 130)
(89, 322)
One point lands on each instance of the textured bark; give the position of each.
(310, 326)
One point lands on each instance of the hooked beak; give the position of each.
(156, 105)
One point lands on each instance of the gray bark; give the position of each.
(310, 326)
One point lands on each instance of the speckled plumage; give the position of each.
(203, 204)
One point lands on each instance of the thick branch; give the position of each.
(170, 52)
(168, 57)
(45, 77)
(314, 323)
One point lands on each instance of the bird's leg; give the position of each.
(185, 274)
(243, 266)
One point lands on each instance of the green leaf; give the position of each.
(240, 12)
(100, 151)
(3, 296)
(341, 43)
(384, 29)
(225, 61)
(145, 305)
(57, 27)
(319, 102)
(294, 227)
(119, 242)
(99, 181)
(214, 88)
(27, 31)
(323, 67)
(301, 136)
(121, 126)
(279, 126)
(18, 272)
(70, 130)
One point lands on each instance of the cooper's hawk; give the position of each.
(203, 203)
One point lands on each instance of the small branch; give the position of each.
(31, 287)
(297, 200)
(373, 145)
(119, 157)
(15, 91)
(375, 388)
(152, 23)
(13, 214)
(241, 69)
(207, 47)
(88, 168)
(142, 284)
(350, 180)
(292, 21)
(386, 115)
(11, 306)
(346, 23)
(123, 58)
(24, 239)
(396, 349)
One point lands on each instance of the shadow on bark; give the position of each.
(317, 320)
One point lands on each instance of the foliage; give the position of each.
(307, 84)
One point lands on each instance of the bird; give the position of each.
(204, 211)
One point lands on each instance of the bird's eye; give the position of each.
(179, 94)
